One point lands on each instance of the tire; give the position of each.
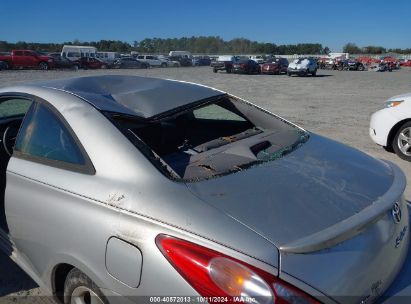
(229, 71)
(43, 66)
(164, 65)
(81, 287)
(402, 142)
(289, 74)
(314, 73)
(215, 70)
(361, 67)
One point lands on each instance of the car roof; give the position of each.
(133, 95)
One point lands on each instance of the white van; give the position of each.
(75, 52)
(183, 54)
(108, 56)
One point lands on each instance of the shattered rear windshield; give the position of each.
(211, 138)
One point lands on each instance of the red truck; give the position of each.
(27, 59)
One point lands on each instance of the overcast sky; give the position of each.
(331, 23)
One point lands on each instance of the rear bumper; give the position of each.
(296, 72)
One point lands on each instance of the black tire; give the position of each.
(405, 128)
(43, 66)
(76, 280)
(361, 67)
(289, 74)
(215, 70)
(229, 71)
(314, 73)
(164, 65)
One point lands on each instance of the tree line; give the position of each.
(195, 45)
(200, 45)
(352, 48)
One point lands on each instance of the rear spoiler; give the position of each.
(353, 225)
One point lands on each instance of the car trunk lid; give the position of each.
(318, 204)
(309, 190)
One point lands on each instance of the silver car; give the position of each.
(121, 189)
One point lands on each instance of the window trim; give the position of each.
(87, 168)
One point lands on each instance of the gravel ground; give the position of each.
(333, 104)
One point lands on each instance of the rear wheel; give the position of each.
(43, 66)
(80, 289)
(361, 67)
(402, 142)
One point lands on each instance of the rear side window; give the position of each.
(43, 135)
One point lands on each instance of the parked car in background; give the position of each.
(184, 54)
(75, 52)
(405, 63)
(129, 63)
(246, 66)
(350, 65)
(109, 57)
(64, 63)
(152, 60)
(223, 63)
(201, 61)
(27, 59)
(117, 189)
(275, 66)
(391, 126)
(258, 58)
(183, 60)
(3, 65)
(302, 67)
(92, 63)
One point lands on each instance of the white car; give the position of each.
(152, 60)
(391, 126)
(302, 67)
(258, 58)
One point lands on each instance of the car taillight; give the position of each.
(242, 65)
(213, 274)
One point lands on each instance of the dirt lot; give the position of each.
(334, 104)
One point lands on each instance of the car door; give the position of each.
(30, 59)
(36, 204)
(12, 111)
(18, 58)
